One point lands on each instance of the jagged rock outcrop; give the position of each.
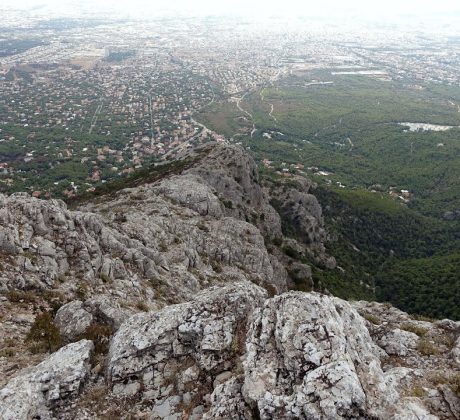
(233, 174)
(213, 217)
(73, 320)
(161, 238)
(311, 356)
(232, 353)
(185, 280)
(304, 355)
(36, 392)
(417, 356)
(303, 215)
(173, 357)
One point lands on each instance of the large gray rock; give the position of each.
(107, 311)
(73, 320)
(456, 352)
(398, 342)
(172, 357)
(191, 191)
(305, 356)
(311, 356)
(35, 392)
(233, 174)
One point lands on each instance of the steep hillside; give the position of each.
(168, 297)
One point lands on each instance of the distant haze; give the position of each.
(366, 9)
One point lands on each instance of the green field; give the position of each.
(351, 129)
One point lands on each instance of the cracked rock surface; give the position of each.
(35, 392)
(181, 293)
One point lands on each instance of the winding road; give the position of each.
(238, 100)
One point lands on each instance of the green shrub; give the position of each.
(371, 318)
(291, 252)
(82, 291)
(61, 278)
(228, 204)
(142, 306)
(416, 391)
(54, 299)
(454, 383)
(216, 266)
(100, 335)
(7, 352)
(18, 296)
(105, 278)
(420, 331)
(277, 241)
(44, 333)
(271, 290)
(426, 348)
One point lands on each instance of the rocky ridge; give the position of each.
(180, 288)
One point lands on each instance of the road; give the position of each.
(238, 101)
(94, 119)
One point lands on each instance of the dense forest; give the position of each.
(407, 257)
(352, 129)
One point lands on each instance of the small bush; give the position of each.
(44, 333)
(416, 391)
(32, 257)
(142, 306)
(447, 340)
(120, 218)
(18, 296)
(105, 278)
(419, 317)
(82, 291)
(100, 335)
(277, 241)
(426, 348)
(7, 352)
(371, 318)
(420, 331)
(53, 298)
(454, 383)
(271, 290)
(291, 252)
(238, 345)
(61, 278)
(442, 378)
(217, 267)
(228, 204)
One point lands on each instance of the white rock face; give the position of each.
(311, 356)
(174, 356)
(398, 342)
(426, 377)
(227, 401)
(35, 392)
(192, 192)
(305, 355)
(72, 319)
(456, 352)
(203, 240)
(185, 232)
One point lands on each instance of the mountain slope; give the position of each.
(180, 281)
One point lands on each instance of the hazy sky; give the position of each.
(374, 9)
